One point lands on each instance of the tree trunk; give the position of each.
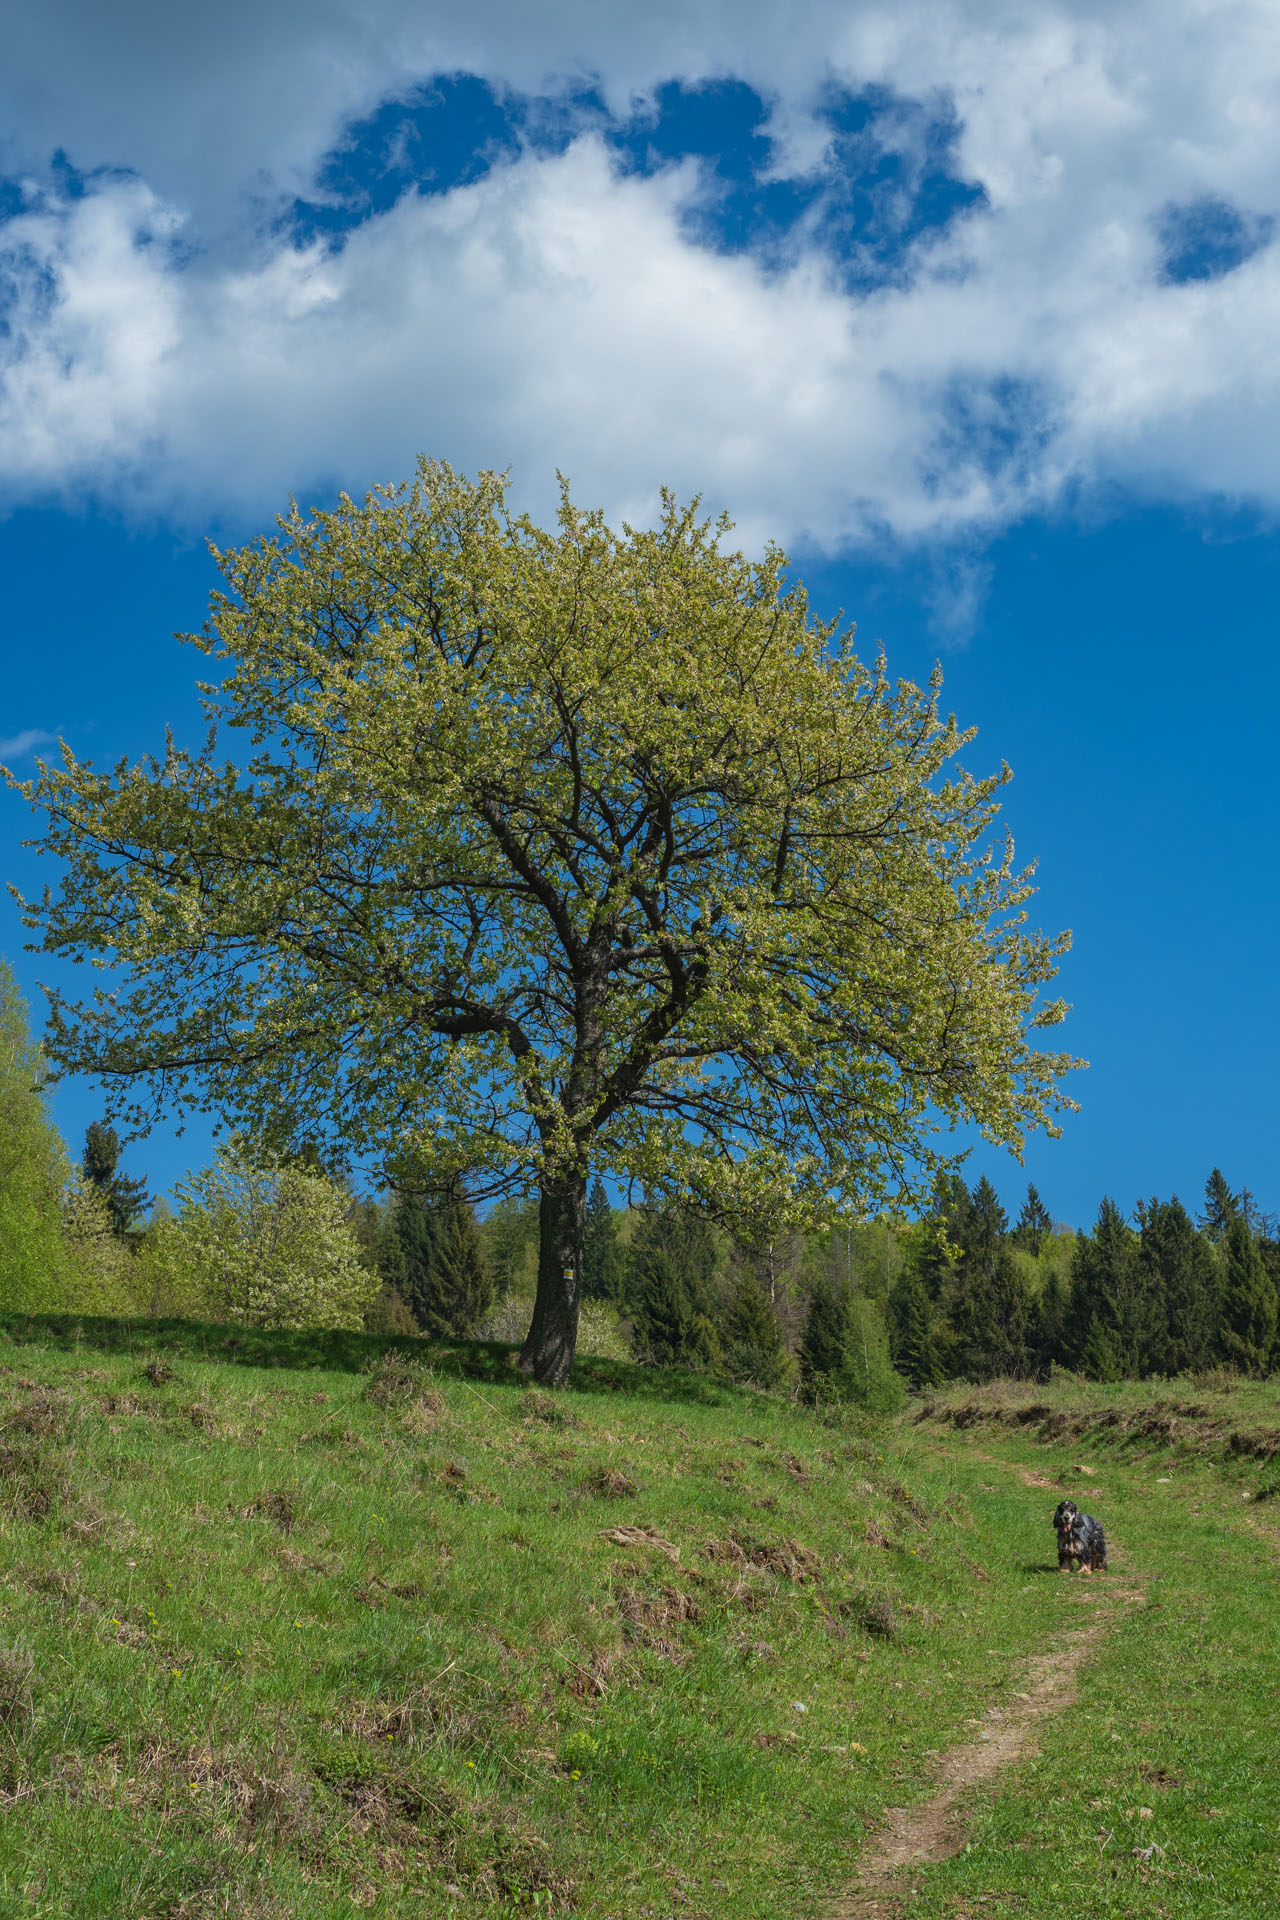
(547, 1354)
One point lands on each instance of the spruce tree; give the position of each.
(1221, 1206)
(1034, 1223)
(911, 1339)
(510, 1228)
(947, 1233)
(1098, 1357)
(671, 1270)
(987, 1222)
(455, 1291)
(688, 1243)
(1249, 1304)
(1049, 1322)
(1103, 1316)
(1182, 1274)
(603, 1268)
(125, 1199)
(663, 1321)
(1268, 1246)
(824, 1350)
(407, 1261)
(991, 1317)
(754, 1349)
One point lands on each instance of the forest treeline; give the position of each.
(279, 1238)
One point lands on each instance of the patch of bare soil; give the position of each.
(921, 1836)
(1046, 1483)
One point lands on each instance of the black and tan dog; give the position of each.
(1081, 1541)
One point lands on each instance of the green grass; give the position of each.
(1156, 1793)
(286, 1636)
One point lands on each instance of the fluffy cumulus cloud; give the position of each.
(1101, 313)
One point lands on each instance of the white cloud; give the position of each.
(19, 745)
(556, 314)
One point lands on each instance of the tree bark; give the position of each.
(547, 1354)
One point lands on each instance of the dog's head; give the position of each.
(1066, 1514)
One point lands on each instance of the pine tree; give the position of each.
(1182, 1274)
(603, 1267)
(35, 1274)
(1033, 1223)
(824, 1350)
(1249, 1304)
(1221, 1206)
(911, 1339)
(124, 1198)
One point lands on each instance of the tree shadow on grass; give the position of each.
(495, 1363)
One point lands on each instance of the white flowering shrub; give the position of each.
(267, 1244)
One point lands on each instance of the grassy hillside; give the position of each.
(298, 1627)
(1155, 1794)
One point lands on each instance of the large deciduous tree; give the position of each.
(555, 852)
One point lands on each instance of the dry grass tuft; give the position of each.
(538, 1408)
(17, 1685)
(398, 1380)
(31, 1487)
(45, 1414)
(277, 1506)
(786, 1559)
(423, 1718)
(592, 1680)
(611, 1483)
(641, 1537)
(873, 1612)
(652, 1613)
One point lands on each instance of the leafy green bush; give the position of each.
(269, 1244)
(36, 1273)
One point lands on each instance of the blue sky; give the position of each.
(974, 307)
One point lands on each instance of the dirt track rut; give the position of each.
(920, 1836)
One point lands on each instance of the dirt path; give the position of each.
(921, 1836)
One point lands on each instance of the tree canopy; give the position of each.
(554, 853)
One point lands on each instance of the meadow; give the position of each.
(303, 1625)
